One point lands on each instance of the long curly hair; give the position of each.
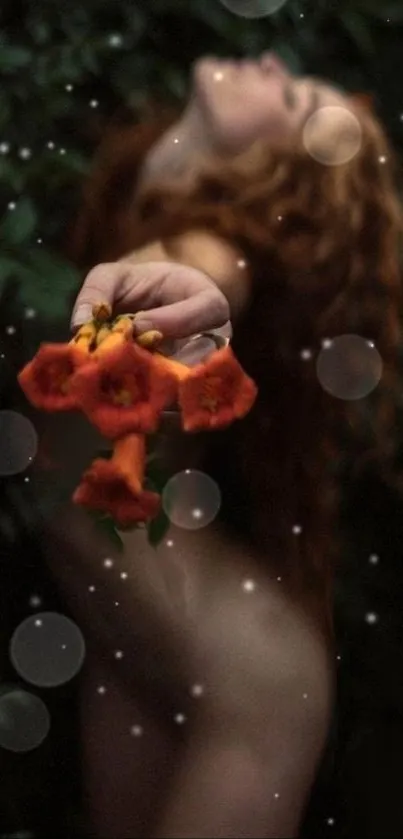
(322, 245)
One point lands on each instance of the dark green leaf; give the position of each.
(358, 29)
(108, 528)
(13, 58)
(11, 175)
(19, 224)
(12, 269)
(158, 528)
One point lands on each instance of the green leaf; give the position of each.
(11, 174)
(359, 31)
(158, 528)
(60, 272)
(12, 269)
(13, 58)
(155, 476)
(381, 11)
(47, 284)
(19, 224)
(108, 528)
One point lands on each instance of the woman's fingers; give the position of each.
(176, 299)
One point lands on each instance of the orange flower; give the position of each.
(46, 380)
(115, 486)
(124, 389)
(215, 393)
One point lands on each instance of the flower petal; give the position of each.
(216, 393)
(47, 379)
(124, 390)
(106, 489)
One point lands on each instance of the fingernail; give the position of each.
(142, 325)
(82, 315)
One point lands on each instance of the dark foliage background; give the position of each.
(66, 69)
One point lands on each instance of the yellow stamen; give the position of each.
(85, 336)
(102, 334)
(122, 397)
(150, 340)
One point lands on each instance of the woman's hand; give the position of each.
(175, 299)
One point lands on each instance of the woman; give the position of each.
(230, 626)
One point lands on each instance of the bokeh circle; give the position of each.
(332, 135)
(18, 443)
(191, 499)
(24, 720)
(253, 9)
(47, 649)
(349, 367)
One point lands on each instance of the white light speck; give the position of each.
(91, 588)
(374, 559)
(26, 480)
(115, 40)
(197, 514)
(50, 145)
(25, 154)
(35, 601)
(249, 585)
(116, 602)
(327, 343)
(180, 719)
(276, 795)
(306, 355)
(279, 579)
(279, 218)
(330, 822)
(30, 313)
(69, 88)
(136, 730)
(101, 689)
(197, 690)
(4, 148)
(94, 103)
(241, 263)
(371, 618)
(38, 622)
(305, 696)
(118, 654)
(169, 543)
(10, 330)
(11, 205)
(297, 529)
(218, 77)
(108, 563)
(124, 575)
(382, 159)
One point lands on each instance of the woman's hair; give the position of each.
(322, 246)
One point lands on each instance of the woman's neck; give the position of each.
(180, 152)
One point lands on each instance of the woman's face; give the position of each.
(243, 101)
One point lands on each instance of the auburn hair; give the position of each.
(321, 244)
